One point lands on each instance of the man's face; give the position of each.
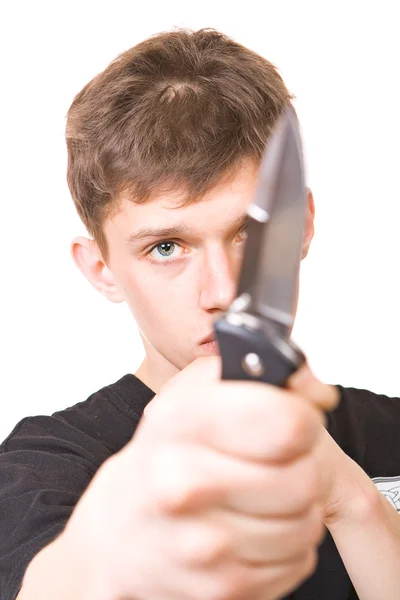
(176, 267)
(178, 282)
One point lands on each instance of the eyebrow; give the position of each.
(180, 229)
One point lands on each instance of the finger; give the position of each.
(205, 370)
(304, 382)
(277, 580)
(219, 536)
(262, 540)
(251, 421)
(189, 478)
(258, 582)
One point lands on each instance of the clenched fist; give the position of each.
(217, 496)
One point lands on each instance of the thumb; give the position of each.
(322, 395)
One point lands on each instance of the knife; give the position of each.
(254, 334)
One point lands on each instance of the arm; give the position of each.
(56, 572)
(369, 544)
(365, 528)
(219, 493)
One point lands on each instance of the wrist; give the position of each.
(85, 567)
(57, 571)
(357, 500)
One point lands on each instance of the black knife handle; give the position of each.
(256, 354)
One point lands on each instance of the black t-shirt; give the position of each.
(47, 462)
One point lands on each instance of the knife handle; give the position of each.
(256, 354)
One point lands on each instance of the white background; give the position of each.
(60, 340)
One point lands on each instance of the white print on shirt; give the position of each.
(390, 488)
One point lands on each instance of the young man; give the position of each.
(225, 489)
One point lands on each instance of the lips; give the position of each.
(209, 338)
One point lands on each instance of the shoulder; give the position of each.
(364, 410)
(367, 427)
(47, 462)
(91, 430)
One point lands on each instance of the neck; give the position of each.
(154, 372)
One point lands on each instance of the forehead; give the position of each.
(221, 205)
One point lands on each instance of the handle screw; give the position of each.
(252, 364)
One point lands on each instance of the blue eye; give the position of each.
(165, 248)
(165, 252)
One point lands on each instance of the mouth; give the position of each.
(208, 339)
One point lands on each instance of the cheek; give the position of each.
(160, 298)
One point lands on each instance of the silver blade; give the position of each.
(269, 275)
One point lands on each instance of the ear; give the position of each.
(309, 224)
(88, 259)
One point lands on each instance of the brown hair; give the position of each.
(178, 111)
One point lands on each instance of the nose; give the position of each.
(218, 279)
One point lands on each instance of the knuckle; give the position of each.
(167, 403)
(294, 432)
(161, 415)
(174, 498)
(202, 546)
(170, 484)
